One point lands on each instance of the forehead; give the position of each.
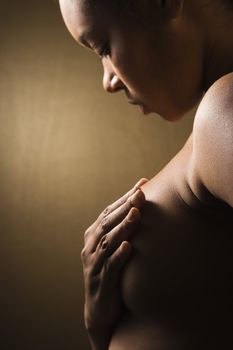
(81, 17)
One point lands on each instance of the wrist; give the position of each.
(99, 343)
(99, 335)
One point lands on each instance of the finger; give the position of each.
(116, 262)
(124, 198)
(141, 182)
(110, 208)
(137, 200)
(116, 205)
(110, 242)
(124, 230)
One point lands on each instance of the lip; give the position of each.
(132, 102)
(141, 106)
(144, 109)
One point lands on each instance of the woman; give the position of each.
(175, 290)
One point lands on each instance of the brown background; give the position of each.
(67, 149)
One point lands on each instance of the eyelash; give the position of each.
(105, 51)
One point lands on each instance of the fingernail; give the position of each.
(133, 214)
(125, 247)
(141, 182)
(137, 198)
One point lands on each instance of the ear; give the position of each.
(171, 8)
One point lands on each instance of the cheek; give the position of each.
(146, 73)
(133, 68)
(129, 59)
(144, 67)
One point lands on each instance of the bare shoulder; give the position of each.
(218, 100)
(212, 158)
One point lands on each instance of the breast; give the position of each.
(177, 285)
(181, 262)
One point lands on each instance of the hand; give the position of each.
(105, 252)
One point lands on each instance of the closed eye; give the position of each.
(104, 51)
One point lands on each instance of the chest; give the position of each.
(181, 261)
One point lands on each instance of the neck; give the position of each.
(216, 22)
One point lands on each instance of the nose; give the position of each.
(111, 81)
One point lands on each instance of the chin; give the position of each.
(172, 116)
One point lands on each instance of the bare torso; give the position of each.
(177, 285)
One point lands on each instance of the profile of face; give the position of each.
(153, 53)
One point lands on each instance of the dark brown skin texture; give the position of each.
(177, 285)
(171, 286)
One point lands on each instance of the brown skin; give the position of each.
(177, 284)
(149, 77)
(190, 199)
(103, 256)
